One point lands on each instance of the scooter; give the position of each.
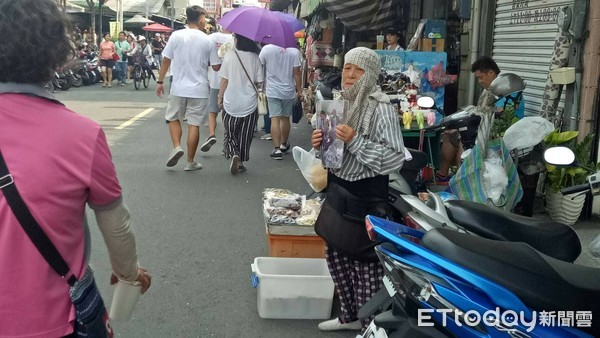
(458, 285)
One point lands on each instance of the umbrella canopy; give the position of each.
(259, 24)
(294, 23)
(156, 27)
(138, 19)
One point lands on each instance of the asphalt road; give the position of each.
(197, 232)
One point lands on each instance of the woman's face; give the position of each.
(391, 39)
(350, 74)
(107, 37)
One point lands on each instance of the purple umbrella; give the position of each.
(259, 24)
(294, 23)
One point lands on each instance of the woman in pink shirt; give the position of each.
(59, 161)
(107, 52)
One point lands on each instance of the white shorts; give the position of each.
(195, 110)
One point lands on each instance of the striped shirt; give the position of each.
(379, 153)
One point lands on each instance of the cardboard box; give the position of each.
(295, 246)
(432, 45)
(434, 29)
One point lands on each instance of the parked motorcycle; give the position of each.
(458, 285)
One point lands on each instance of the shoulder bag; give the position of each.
(91, 318)
(261, 96)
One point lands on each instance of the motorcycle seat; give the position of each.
(551, 238)
(540, 281)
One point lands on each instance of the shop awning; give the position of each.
(362, 15)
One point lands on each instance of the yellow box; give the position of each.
(432, 45)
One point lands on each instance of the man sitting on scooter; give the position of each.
(486, 70)
(145, 49)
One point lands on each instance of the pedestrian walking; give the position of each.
(373, 149)
(70, 149)
(107, 63)
(217, 39)
(132, 44)
(188, 54)
(158, 44)
(241, 75)
(122, 47)
(283, 86)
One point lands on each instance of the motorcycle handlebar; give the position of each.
(575, 189)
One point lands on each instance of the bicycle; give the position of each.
(140, 75)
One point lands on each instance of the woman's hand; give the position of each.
(317, 138)
(143, 277)
(344, 132)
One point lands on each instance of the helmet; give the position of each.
(506, 84)
(141, 37)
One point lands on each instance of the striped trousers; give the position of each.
(355, 283)
(238, 135)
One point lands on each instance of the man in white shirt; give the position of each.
(283, 86)
(188, 53)
(217, 39)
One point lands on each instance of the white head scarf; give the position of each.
(364, 95)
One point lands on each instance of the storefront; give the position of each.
(524, 37)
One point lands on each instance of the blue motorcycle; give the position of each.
(458, 285)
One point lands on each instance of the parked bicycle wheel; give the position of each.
(137, 76)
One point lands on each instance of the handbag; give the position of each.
(297, 111)
(91, 318)
(341, 222)
(115, 57)
(261, 96)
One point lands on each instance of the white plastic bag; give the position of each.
(527, 132)
(495, 179)
(311, 168)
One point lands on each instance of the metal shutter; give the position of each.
(524, 33)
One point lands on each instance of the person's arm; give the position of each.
(298, 80)
(222, 88)
(164, 67)
(385, 156)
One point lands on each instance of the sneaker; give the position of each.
(276, 154)
(235, 164)
(210, 141)
(442, 179)
(285, 147)
(122, 84)
(191, 166)
(175, 156)
(241, 169)
(266, 137)
(335, 325)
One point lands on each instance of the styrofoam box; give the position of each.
(293, 288)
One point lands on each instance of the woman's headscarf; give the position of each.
(364, 95)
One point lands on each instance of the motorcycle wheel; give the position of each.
(56, 84)
(86, 80)
(77, 81)
(66, 83)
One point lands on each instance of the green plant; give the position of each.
(563, 177)
(506, 119)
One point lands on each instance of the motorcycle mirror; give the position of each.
(559, 156)
(425, 102)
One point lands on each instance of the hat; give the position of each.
(393, 31)
(141, 37)
(157, 34)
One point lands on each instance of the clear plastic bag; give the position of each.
(527, 132)
(311, 168)
(595, 247)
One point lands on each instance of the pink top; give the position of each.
(59, 160)
(107, 48)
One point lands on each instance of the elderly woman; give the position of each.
(373, 149)
(58, 162)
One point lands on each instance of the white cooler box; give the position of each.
(292, 288)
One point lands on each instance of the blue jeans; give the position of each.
(121, 67)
